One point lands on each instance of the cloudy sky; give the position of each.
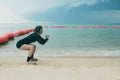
(60, 11)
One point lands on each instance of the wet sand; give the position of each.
(60, 68)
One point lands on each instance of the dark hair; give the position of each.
(37, 29)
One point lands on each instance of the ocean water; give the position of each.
(67, 41)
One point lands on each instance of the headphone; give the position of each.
(37, 29)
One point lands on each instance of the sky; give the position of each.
(67, 12)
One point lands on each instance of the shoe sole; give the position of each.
(31, 63)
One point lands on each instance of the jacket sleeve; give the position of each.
(40, 39)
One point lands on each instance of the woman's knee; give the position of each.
(33, 47)
(25, 47)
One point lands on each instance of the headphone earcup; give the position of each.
(38, 29)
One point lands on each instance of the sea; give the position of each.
(64, 41)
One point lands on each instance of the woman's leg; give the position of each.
(33, 59)
(31, 49)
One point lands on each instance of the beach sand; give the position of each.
(60, 68)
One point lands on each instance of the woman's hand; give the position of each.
(47, 36)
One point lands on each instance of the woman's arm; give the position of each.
(41, 40)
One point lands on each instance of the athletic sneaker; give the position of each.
(34, 59)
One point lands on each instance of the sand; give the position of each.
(60, 68)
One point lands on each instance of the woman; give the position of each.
(25, 43)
